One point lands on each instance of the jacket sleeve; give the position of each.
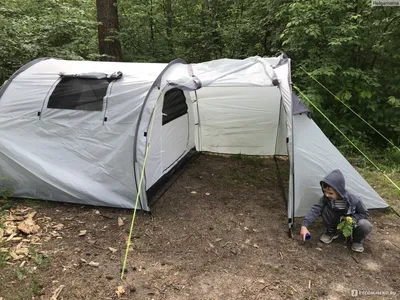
(361, 211)
(314, 212)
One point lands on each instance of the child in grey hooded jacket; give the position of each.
(335, 203)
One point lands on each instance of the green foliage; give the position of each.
(350, 48)
(6, 187)
(43, 261)
(346, 226)
(20, 273)
(30, 29)
(4, 257)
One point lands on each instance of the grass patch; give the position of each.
(4, 257)
(383, 187)
(20, 273)
(30, 290)
(43, 261)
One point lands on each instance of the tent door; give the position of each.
(175, 128)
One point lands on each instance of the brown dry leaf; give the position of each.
(14, 218)
(22, 251)
(9, 231)
(4, 250)
(35, 239)
(22, 210)
(29, 226)
(82, 232)
(15, 256)
(94, 264)
(120, 221)
(55, 233)
(256, 246)
(1, 232)
(120, 291)
(57, 292)
(31, 215)
(113, 250)
(58, 226)
(11, 237)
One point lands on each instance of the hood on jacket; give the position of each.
(335, 179)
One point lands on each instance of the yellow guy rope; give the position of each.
(128, 244)
(337, 98)
(359, 150)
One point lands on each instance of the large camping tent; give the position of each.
(78, 131)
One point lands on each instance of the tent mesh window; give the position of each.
(79, 94)
(174, 105)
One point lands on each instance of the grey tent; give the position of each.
(85, 132)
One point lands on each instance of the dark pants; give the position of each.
(331, 219)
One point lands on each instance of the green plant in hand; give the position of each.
(346, 226)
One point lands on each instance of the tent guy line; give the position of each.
(348, 107)
(350, 141)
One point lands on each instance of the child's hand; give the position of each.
(303, 232)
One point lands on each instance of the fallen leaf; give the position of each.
(22, 211)
(29, 226)
(23, 251)
(256, 246)
(193, 192)
(58, 226)
(207, 194)
(31, 215)
(22, 264)
(82, 232)
(211, 245)
(11, 237)
(84, 260)
(120, 221)
(14, 218)
(10, 231)
(57, 292)
(120, 291)
(15, 256)
(4, 250)
(1, 232)
(35, 239)
(94, 264)
(218, 239)
(113, 250)
(319, 249)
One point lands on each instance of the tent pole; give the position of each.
(198, 123)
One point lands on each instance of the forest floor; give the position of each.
(218, 232)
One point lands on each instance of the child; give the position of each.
(335, 203)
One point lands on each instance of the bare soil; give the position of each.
(218, 232)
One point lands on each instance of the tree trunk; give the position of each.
(169, 15)
(107, 16)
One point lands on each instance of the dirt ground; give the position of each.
(218, 232)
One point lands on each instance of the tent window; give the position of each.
(79, 94)
(174, 105)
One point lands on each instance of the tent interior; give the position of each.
(98, 132)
